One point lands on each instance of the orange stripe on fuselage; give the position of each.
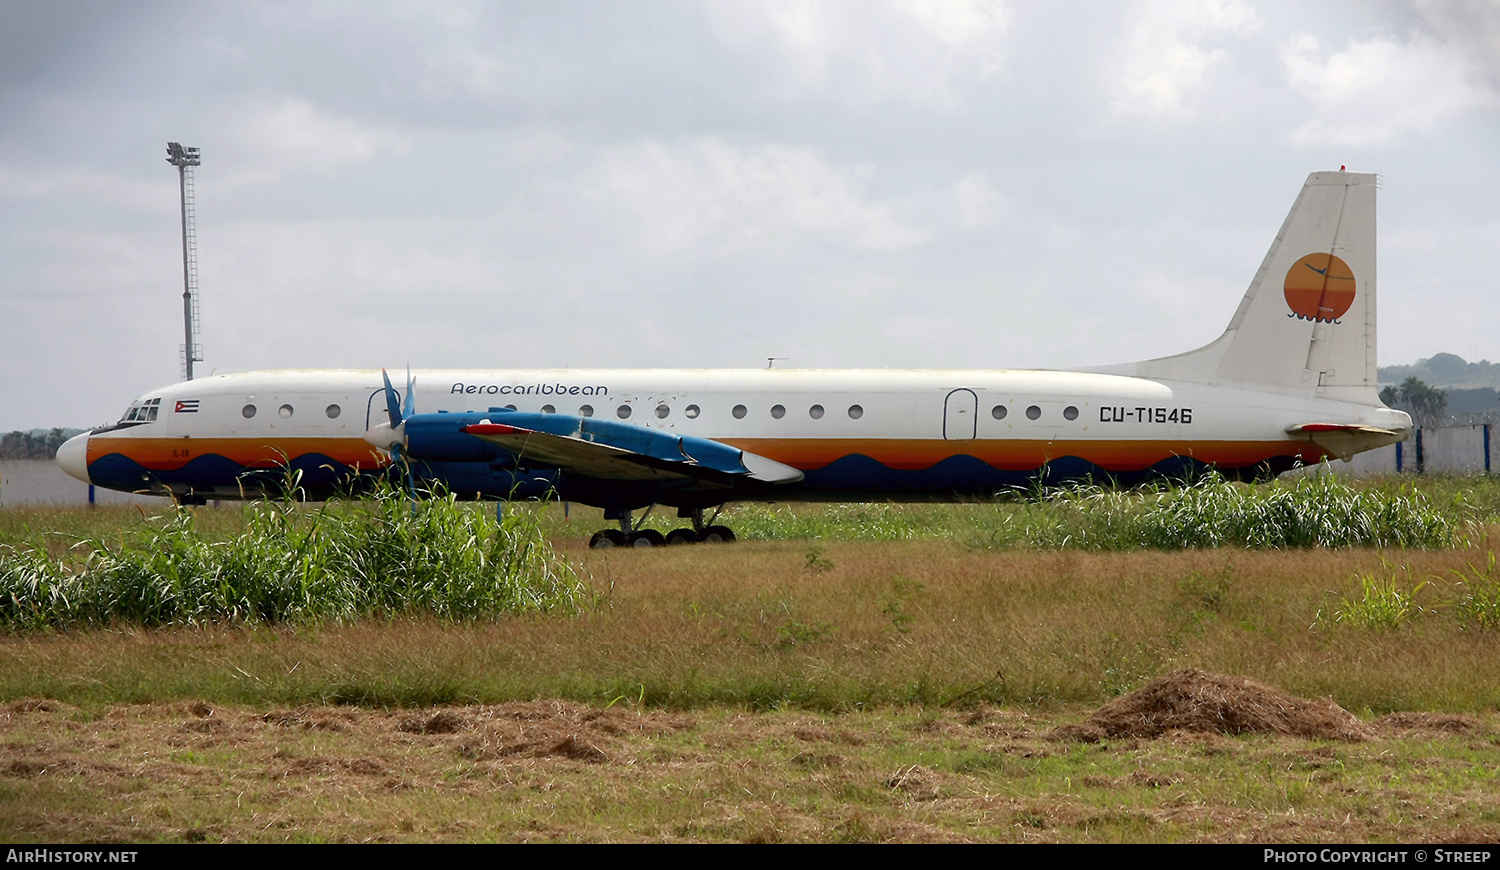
(170, 454)
(809, 454)
(806, 454)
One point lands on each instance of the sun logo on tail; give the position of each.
(1319, 287)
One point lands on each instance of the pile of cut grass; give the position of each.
(1195, 701)
(380, 556)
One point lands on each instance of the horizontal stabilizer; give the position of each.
(1345, 439)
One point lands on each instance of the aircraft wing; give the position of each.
(599, 449)
(1345, 439)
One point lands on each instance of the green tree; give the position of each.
(24, 445)
(1427, 405)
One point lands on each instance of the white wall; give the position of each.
(41, 482)
(1444, 450)
(1454, 450)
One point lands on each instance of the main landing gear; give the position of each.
(632, 535)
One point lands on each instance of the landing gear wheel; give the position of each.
(607, 539)
(718, 535)
(647, 538)
(681, 536)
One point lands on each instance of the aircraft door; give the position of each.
(375, 406)
(375, 411)
(960, 415)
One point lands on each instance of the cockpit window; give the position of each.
(142, 412)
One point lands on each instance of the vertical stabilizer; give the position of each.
(1307, 324)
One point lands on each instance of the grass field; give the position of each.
(863, 672)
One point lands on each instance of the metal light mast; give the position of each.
(185, 159)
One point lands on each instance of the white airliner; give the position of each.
(1292, 380)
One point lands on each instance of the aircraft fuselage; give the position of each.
(856, 434)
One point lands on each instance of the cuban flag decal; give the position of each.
(189, 406)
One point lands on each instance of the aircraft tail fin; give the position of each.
(1306, 325)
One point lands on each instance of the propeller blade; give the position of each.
(392, 402)
(411, 393)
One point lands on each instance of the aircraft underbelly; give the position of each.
(934, 468)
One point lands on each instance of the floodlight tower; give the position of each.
(185, 159)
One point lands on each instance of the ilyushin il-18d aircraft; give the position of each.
(1291, 381)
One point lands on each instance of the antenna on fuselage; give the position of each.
(771, 361)
(185, 159)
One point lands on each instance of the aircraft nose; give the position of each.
(73, 456)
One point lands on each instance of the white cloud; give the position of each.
(457, 63)
(273, 139)
(975, 199)
(1377, 89)
(866, 52)
(724, 198)
(97, 188)
(538, 147)
(1168, 63)
(975, 23)
(1470, 26)
(119, 262)
(438, 49)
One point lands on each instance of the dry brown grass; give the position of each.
(549, 770)
(882, 691)
(889, 622)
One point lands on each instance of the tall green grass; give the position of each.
(380, 556)
(1384, 604)
(1314, 511)
(1477, 604)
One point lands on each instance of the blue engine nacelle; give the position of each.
(440, 438)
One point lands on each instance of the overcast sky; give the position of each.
(703, 185)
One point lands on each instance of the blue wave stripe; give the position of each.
(851, 476)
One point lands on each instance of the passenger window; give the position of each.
(548, 409)
(778, 411)
(333, 412)
(285, 411)
(662, 411)
(855, 412)
(999, 412)
(739, 412)
(1070, 413)
(692, 412)
(248, 411)
(1033, 412)
(585, 410)
(623, 412)
(815, 412)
